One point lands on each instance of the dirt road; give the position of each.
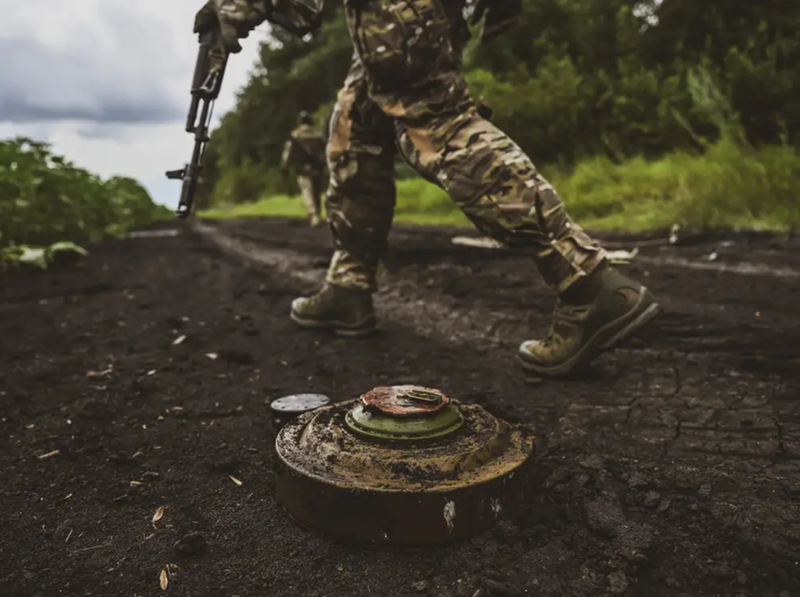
(673, 468)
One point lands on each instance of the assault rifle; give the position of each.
(298, 17)
(205, 89)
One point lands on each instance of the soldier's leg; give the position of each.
(360, 206)
(307, 190)
(361, 193)
(414, 77)
(317, 193)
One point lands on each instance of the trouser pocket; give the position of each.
(401, 42)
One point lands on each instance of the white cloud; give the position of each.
(106, 82)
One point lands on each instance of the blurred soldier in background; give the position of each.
(304, 153)
(405, 91)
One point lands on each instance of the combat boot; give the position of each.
(601, 311)
(347, 312)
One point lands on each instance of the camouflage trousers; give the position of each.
(310, 193)
(405, 91)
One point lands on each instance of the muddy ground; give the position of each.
(673, 466)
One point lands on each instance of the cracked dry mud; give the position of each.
(673, 466)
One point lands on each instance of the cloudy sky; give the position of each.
(107, 82)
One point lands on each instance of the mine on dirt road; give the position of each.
(134, 409)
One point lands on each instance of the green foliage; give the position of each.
(45, 200)
(40, 257)
(727, 186)
(574, 81)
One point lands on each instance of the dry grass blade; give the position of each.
(235, 480)
(50, 454)
(178, 340)
(163, 579)
(483, 243)
(105, 372)
(159, 514)
(622, 256)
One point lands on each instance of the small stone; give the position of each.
(193, 544)
(593, 462)
(420, 586)
(705, 490)
(651, 499)
(618, 582)
(673, 583)
(636, 481)
(741, 578)
(664, 505)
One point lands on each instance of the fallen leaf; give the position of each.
(50, 454)
(235, 480)
(163, 580)
(159, 514)
(212, 355)
(151, 372)
(135, 483)
(178, 340)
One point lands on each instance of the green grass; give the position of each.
(727, 187)
(419, 203)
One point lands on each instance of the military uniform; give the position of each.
(405, 92)
(304, 152)
(405, 89)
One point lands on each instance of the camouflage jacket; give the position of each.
(238, 17)
(304, 151)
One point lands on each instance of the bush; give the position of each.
(45, 199)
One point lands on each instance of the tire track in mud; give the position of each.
(673, 418)
(400, 302)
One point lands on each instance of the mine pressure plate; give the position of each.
(404, 413)
(402, 465)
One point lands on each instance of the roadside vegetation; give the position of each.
(725, 187)
(49, 206)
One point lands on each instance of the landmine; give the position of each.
(402, 466)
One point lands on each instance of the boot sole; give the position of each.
(337, 328)
(630, 323)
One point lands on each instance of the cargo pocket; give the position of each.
(401, 43)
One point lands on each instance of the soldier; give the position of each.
(304, 152)
(405, 91)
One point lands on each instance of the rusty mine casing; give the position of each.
(402, 466)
